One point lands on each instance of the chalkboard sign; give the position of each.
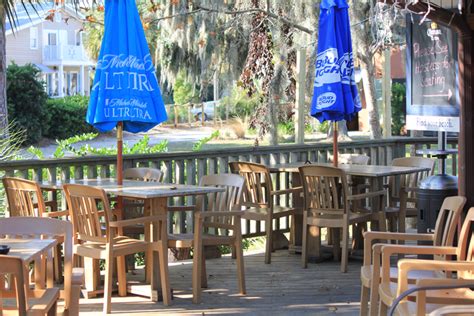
(432, 85)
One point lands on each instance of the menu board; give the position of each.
(432, 77)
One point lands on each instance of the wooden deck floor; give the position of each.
(281, 288)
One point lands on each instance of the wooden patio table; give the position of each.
(34, 250)
(375, 175)
(155, 196)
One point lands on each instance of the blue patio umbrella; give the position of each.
(125, 93)
(335, 96)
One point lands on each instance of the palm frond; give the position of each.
(11, 14)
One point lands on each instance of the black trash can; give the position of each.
(431, 193)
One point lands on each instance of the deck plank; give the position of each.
(281, 288)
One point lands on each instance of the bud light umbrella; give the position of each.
(125, 93)
(335, 96)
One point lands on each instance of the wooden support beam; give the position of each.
(300, 95)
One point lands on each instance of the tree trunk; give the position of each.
(362, 40)
(3, 71)
(342, 132)
(368, 81)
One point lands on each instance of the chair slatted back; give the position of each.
(352, 159)
(228, 200)
(325, 190)
(447, 221)
(24, 197)
(465, 249)
(133, 208)
(411, 180)
(15, 267)
(258, 183)
(143, 174)
(87, 205)
(42, 228)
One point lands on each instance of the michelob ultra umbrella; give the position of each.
(335, 95)
(125, 93)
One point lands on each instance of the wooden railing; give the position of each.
(188, 167)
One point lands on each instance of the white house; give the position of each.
(51, 38)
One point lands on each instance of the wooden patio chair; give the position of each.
(216, 214)
(328, 204)
(463, 265)
(443, 235)
(25, 198)
(402, 200)
(133, 208)
(34, 227)
(356, 184)
(28, 302)
(258, 199)
(423, 289)
(98, 239)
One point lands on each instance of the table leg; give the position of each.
(40, 267)
(158, 267)
(50, 269)
(296, 229)
(377, 204)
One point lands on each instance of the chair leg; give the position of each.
(197, 260)
(58, 264)
(240, 261)
(109, 271)
(163, 257)
(402, 221)
(90, 276)
(203, 270)
(364, 301)
(304, 245)
(383, 309)
(122, 276)
(269, 241)
(374, 302)
(345, 250)
(336, 243)
(73, 309)
(234, 253)
(53, 310)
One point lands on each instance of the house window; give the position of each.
(52, 38)
(33, 38)
(78, 38)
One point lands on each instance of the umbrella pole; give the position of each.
(334, 145)
(119, 170)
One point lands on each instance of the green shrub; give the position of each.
(67, 117)
(183, 91)
(398, 106)
(286, 128)
(324, 127)
(26, 99)
(239, 103)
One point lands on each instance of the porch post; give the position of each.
(81, 81)
(466, 141)
(61, 81)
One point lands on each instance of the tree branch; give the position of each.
(231, 12)
(435, 13)
(175, 15)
